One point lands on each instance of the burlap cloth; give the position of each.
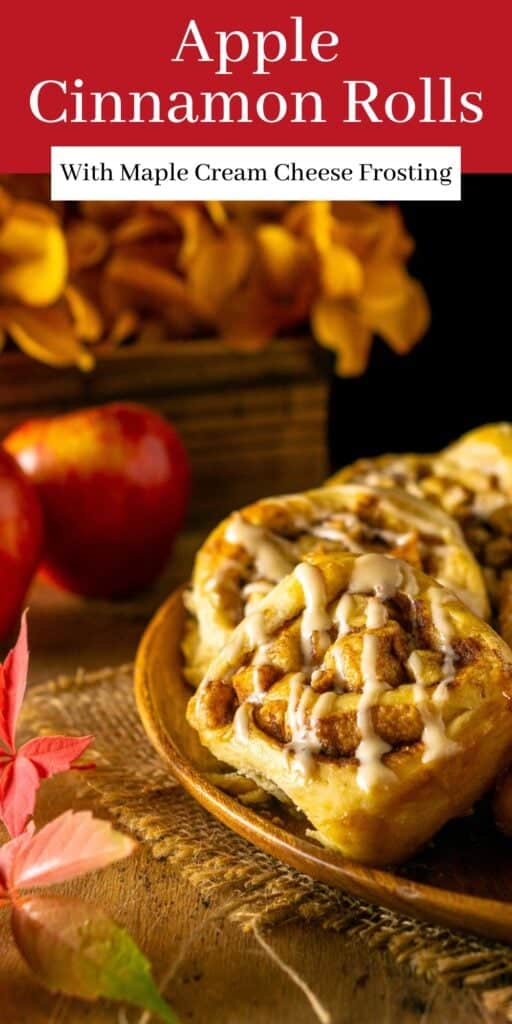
(251, 887)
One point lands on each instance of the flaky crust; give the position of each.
(251, 550)
(440, 683)
(405, 471)
(472, 481)
(486, 451)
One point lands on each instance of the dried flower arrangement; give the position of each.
(79, 278)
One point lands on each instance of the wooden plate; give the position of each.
(463, 879)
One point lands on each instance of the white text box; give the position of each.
(396, 173)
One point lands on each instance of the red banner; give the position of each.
(398, 73)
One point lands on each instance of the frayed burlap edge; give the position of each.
(249, 887)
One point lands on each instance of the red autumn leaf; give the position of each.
(7, 854)
(19, 782)
(21, 770)
(13, 681)
(4, 733)
(73, 947)
(71, 845)
(53, 754)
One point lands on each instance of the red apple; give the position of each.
(21, 539)
(113, 483)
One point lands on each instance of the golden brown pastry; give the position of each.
(406, 472)
(482, 461)
(472, 481)
(484, 457)
(253, 549)
(366, 694)
(486, 451)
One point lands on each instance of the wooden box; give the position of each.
(254, 424)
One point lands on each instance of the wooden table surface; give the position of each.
(216, 973)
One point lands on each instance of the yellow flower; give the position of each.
(364, 288)
(33, 260)
(177, 261)
(47, 335)
(105, 272)
(37, 310)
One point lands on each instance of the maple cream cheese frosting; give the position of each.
(472, 481)
(368, 695)
(255, 548)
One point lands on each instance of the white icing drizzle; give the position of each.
(337, 654)
(435, 525)
(261, 587)
(342, 612)
(322, 707)
(241, 720)
(257, 636)
(269, 558)
(315, 618)
(485, 504)
(436, 743)
(315, 674)
(258, 690)
(222, 578)
(394, 474)
(371, 770)
(304, 702)
(296, 687)
(378, 574)
(381, 576)
(376, 613)
(442, 624)
(393, 536)
(304, 742)
(300, 510)
(409, 583)
(255, 629)
(326, 518)
(338, 536)
(330, 530)
(261, 656)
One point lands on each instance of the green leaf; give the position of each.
(73, 947)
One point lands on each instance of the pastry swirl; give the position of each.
(366, 694)
(472, 481)
(253, 549)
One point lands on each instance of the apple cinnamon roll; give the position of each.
(472, 481)
(253, 549)
(367, 695)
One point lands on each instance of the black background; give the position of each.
(460, 374)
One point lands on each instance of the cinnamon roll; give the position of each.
(472, 481)
(366, 694)
(253, 549)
